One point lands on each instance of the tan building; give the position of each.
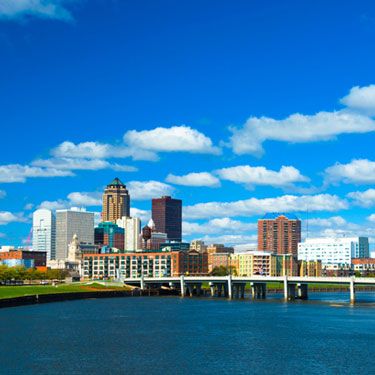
(198, 245)
(116, 201)
(219, 248)
(310, 268)
(216, 260)
(253, 263)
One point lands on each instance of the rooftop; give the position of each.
(275, 215)
(116, 182)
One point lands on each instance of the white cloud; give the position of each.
(217, 226)
(74, 199)
(363, 198)
(244, 247)
(358, 171)
(176, 138)
(56, 167)
(231, 239)
(7, 217)
(13, 9)
(333, 221)
(194, 179)
(19, 173)
(142, 190)
(81, 164)
(28, 206)
(371, 218)
(141, 145)
(84, 199)
(361, 99)
(60, 204)
(255, 206)
(297, 128)
(144, 215)
(248, 175)
(97, 150)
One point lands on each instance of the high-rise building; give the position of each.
(69, 223)
(109, 234)
(279, 233)
(132, 226)
(116, 201)
(167, 216)
(333, 251)
(44, 232)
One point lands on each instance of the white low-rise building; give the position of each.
(338, 251)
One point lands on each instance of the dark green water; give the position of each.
(189, 336)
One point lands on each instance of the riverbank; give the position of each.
(45, 297)
(29, 290)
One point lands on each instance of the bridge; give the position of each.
(234, 286)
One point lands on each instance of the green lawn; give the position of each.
(18, 291)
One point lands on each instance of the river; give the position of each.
(170, 335)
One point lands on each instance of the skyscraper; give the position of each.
(116, 201)
(167, 216)
(132, 226)
(69, 223)
(279, 233)
(44, 232)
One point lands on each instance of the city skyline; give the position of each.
(232, 135)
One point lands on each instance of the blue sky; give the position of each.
(237, 108)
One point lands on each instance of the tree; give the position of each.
(224, 271)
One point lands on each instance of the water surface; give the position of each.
(169, 335)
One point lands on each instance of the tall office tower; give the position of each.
(167, 216)
(279, 233)
(116, 201)
(132, 226)
(44, 232)
(71, 222)
(109, 234)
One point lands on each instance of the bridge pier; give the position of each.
(239, 290)
(243, 290)
(302, 291)
(182, 286)
(212, 289)
(230, 290)
(190, 289)
(258, 290)
(219, 289)
(352, 290)
(142, 283)
(289, 290)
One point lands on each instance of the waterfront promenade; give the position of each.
(234, 286)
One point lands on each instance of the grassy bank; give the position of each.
(29, 290)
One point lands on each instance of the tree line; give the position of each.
(20, 273)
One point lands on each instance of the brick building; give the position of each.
(148, 264)
(39, 257)
(279, 233)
